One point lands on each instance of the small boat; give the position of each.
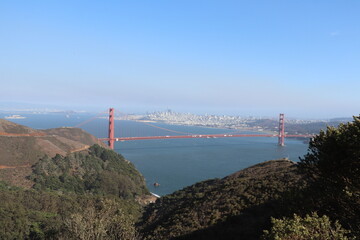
(156, 184)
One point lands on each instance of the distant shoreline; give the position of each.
(205, 126)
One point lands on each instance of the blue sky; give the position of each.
(233, 57)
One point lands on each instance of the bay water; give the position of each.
(177, 163)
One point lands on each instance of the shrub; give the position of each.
(310, 227)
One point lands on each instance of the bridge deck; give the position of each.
(202, 136)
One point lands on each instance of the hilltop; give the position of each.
(238, 206)
(21, 147)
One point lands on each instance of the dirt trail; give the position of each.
(28, 165)
(20, 166)
(80, 149)
(35, 134)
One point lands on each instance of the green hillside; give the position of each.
(30, 214)
(96, 171)
(79, 189)
(236, 207)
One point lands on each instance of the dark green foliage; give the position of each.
(310, 227)
(30, 214)
(100, 220)
(13, 223)
(236, 207)
(333, 168)
(100, 171)
(87, 194)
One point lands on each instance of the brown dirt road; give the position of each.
(4, 166)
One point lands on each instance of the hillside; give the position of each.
(21, 147)
(97, 171)
(78, 189)
(30, 214)
(236, 207)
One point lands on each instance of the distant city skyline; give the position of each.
(219, 57)
(28, 108)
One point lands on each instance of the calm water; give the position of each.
(177, 163)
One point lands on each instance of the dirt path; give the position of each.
(80, 149)
(28, 165)
(20, 166)
(35, 134)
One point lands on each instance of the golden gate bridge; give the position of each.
(111, 139)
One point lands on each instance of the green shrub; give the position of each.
(310, 227)
(333, 169)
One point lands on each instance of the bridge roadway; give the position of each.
(203, 136)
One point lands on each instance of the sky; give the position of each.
(256, 57)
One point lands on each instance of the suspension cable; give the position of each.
(169, 130)
(89, 120)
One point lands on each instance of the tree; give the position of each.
(101, 220)
(310, 227)
(332, 165)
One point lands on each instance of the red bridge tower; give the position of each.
(281, 129)
(111, 128)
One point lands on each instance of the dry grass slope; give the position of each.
(21, 147)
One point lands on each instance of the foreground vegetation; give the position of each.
(309, 227)
(236, 207)
(85, 195)
(31, 214)
(332, 169)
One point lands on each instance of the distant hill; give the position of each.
(21, 147)
(298, 128)
(236, 207)
(10, 127)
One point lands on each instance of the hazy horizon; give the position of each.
(28, 108)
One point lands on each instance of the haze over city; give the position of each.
(218, 57)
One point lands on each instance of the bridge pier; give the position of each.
(281, 138)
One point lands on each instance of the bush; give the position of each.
(334, 157)
(310, 227)
(100, 220)
(333, 168)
